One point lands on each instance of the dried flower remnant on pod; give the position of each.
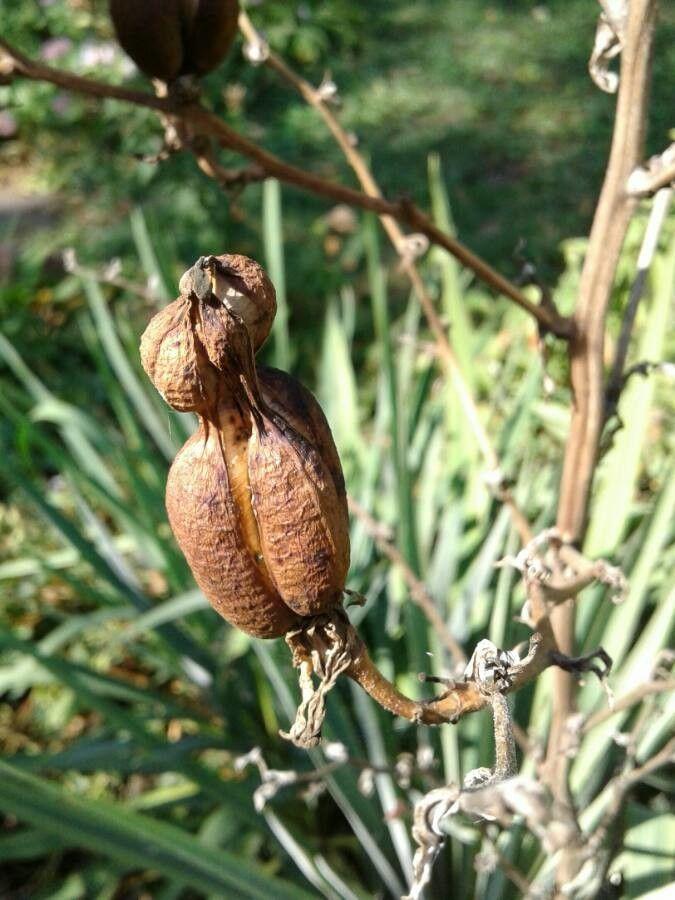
(168, 38)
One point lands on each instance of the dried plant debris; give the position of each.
(256, 497)
(489, 668)
(322, 650)
(608, 44)
(548, 560)
(500, 802)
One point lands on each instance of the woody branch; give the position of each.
(203, 123)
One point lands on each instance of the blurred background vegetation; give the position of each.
(124, 702)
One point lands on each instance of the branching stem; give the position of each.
(612, 216)
(203, 122)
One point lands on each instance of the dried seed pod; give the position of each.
(209, 507)
(256, 497)
(168, 38)
(176, 363)
(210, 28)
(292, 400)
(299, 515)
(312, 576)
(195, 346)
(243, 286)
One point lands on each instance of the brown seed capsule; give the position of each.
(243, 286)
(168, 38)
(256, 497)
(208, 502)
(299, 517)
(175, 361)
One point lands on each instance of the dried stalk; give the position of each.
(649, 688)
(613, 213)
(200, 121)
(618, 789)
(663, 178)
(657, 173)
(327, 646)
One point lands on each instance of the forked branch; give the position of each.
(194, 116)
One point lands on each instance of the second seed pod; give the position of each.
(168, 38)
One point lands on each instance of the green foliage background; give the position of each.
(125, 702)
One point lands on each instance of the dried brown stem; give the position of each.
(414, 216)
(612, 216)
(613, 213)
(418, 592)
(620, 786)
(203, 122)
(637, 695)
(110, 276)
(656, 174)
(514, 875)
(461, 698)
(665, 177)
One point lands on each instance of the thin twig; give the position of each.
(635, 696)
(109, 275)
(514, 875)
(415, 217)
(663, 178)
(447, 355)
(418, 592)
(203, 122)
(657, 173)
(619, 787)
(461, 697)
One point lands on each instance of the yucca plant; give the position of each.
(160, 724)
(144, 708)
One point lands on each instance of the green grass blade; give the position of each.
(169, 611)
(619, 471)
(452, 295)
(368, 717)
(135, 840)
(348, 801)
(174, 636)
(299, 854)
(146, 253)
(105, 326)
(73, 424)
(273, 235)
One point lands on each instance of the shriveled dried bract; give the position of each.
(256, 497)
